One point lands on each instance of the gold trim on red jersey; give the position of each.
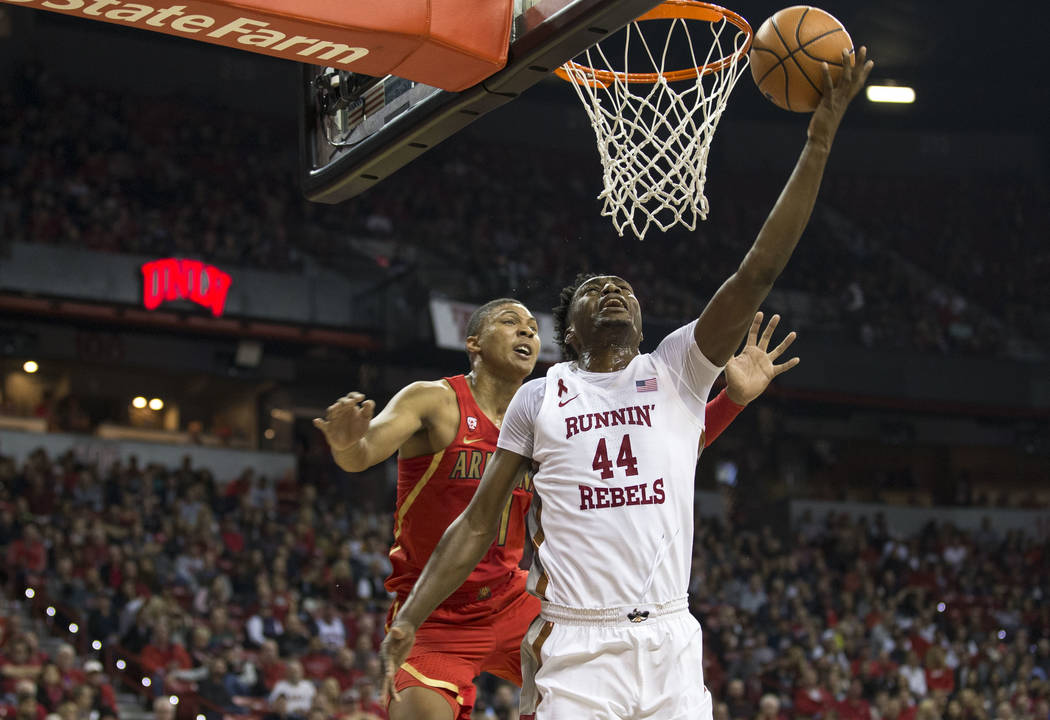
(411, 498)
(431, 682)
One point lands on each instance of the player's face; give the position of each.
(606, 301)
(510, 336)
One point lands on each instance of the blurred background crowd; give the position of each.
(940, 274)
(267, 599)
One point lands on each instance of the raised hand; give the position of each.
(749, 373)
(837, 97)
(346, 421)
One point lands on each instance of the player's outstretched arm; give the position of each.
(359, 441)
(725, 319)
(748, 374)
(460, 550)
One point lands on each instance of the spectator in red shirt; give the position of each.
(161, 655)
(367, 700)
(811, 699)
(232, 537)
(344, 669)
(854, 706)
(317, 662)
(18, 664)
(27, 556)
(939, 677)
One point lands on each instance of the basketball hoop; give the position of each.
(654, 126)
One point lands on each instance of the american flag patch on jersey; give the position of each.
(645, 385)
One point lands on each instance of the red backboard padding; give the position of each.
(450, 44)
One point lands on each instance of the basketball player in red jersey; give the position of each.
(444, 432)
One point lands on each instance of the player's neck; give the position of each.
(606, 358)
(492, 393)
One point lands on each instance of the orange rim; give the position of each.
(668, 10)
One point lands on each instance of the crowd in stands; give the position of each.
(979, 234)
(250, 598)
(938, 274)
(848, 621)
(267, 600)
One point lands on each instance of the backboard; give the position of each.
(356, 130)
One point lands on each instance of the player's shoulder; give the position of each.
(535, 384)
(533, 389)
(428, 387)
(529, 398)
(427, 394)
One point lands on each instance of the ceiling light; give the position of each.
(890, 94)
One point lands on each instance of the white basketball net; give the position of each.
(654, 138)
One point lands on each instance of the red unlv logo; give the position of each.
(174, 279)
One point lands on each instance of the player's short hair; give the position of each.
(481, 315)
(561, 313)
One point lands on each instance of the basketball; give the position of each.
(787, 53)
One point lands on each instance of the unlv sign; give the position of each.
(174, 279)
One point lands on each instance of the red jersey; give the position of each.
(432, 491)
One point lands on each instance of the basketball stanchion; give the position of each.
(654, 125)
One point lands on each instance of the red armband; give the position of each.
(720, 412)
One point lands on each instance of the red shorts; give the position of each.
(458, 643)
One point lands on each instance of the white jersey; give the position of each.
(612, 512)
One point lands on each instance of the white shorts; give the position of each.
(604, 665)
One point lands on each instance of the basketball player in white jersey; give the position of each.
(615, 435)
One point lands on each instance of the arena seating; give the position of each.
(903, 276)
(255, 600)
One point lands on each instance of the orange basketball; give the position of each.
(787, 53)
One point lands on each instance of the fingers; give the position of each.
(320, 424)
(392, 692)
(861, 55)
(829, 85)
(388, 651)
(388, 692)
(350, 401)
(784, 367)
(767, 334)
(861, 75)
(752, 334)
(784, 345)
